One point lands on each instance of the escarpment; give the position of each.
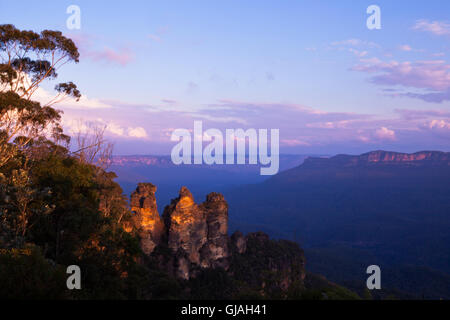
(382, 158)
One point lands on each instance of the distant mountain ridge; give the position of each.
(378, 156)
(200, 179)
(286, 161)
(139, 160)
(384, 157)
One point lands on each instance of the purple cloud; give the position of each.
(409, 114)
(169, 101)
(435, 97)
(431, 75)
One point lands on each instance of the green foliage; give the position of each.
(161, 286)
(26, 274)
(317, 287)
(71, 223)
(212, 284)
(27, 59)
(269, 266)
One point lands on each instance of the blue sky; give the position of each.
(310, 68)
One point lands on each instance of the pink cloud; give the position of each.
(158, 35)
(82, 40)
(294, 142)
(405, 47)
(439, 124)
(438, 127)
(122, 57)
(358, 53)
(85, 44)
(384, 133)
(439, 28)
(138, 132)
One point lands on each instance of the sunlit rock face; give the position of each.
(147, 219)
(191, 237)
(428, 158)
(215, 251)
(186, 225)
(395, 157)
(197, 233)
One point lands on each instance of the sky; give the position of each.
(312, 69)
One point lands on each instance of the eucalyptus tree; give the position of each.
(27, 59)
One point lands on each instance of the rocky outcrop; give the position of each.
(238, 242)
(146, 218)
(192, 237)
(197, 233)
(186, 226)
(215, 251)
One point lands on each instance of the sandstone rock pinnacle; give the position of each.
(197, 233)
(147, 219)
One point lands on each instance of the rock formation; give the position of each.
(146, 218)
(191, 237)
(195, 234)
(215, 251)
(186, 226)
(238, 242)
